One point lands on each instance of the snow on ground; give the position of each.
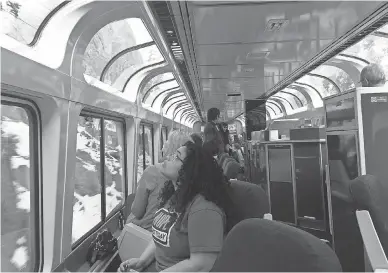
(23, 195)
(87, 210)
(20, 257)
(22, 133)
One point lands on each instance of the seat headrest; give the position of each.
(232, 168)
(226, 161)
(222, 158)
(249, 201)
(369, 193)
(366, 192)
(259, 245)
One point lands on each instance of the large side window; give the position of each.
(145, 156)
(99, 174)
(20, 185)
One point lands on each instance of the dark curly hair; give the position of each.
(199, 174)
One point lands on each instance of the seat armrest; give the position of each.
(133, 241)
(373, 248)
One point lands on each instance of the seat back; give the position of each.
(259, 245)
(371, 194)
(248, 201)
(231, 169)
(128, 205)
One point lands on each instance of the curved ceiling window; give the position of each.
(111, 40)
(158, 100)
(384, 29)
(117, 74)
(288, 99)
(155, 81)
(373, 48)
(178, 112)
(298, 97)
(324, 87)
(160, 90)
(23, 19)
(170, 109)
(337, 75)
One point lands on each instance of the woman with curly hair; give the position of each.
(188, 229)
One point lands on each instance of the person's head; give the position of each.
(232, 169)
(237, 146)
(197, 172)
(175, 140)
(224, 126)
(372, 75)
(213, 114)
(197, 139)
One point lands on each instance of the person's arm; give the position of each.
(206, 236)
(148, 255)
(140, 202)
(198, 262)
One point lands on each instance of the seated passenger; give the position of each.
(372, 75)
(188, 229)
(231, 169)
(197, 139)
(151, 182)
(240, 154)
(176, 139)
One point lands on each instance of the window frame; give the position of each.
(104, 217)
(36, 187)
(161, 140)
(163, 137)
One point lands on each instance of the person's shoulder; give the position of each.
(151, 172)
(200, 203)
(208, 125)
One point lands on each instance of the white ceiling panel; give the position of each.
(246, 22)
(236, 53)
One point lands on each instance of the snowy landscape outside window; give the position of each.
(87, 210)
(18, 190)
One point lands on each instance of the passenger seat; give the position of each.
(259, 245)
(371, 194)
(248, 201)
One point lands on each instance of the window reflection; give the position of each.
(372, 48)
(22, 18)
(16, 214)
(340, 77)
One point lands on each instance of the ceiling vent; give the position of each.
(276, 24)
(234, 94)
(250, 69)
(257, 55)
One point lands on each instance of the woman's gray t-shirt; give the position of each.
(201, 230)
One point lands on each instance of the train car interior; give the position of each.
(93, 93)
